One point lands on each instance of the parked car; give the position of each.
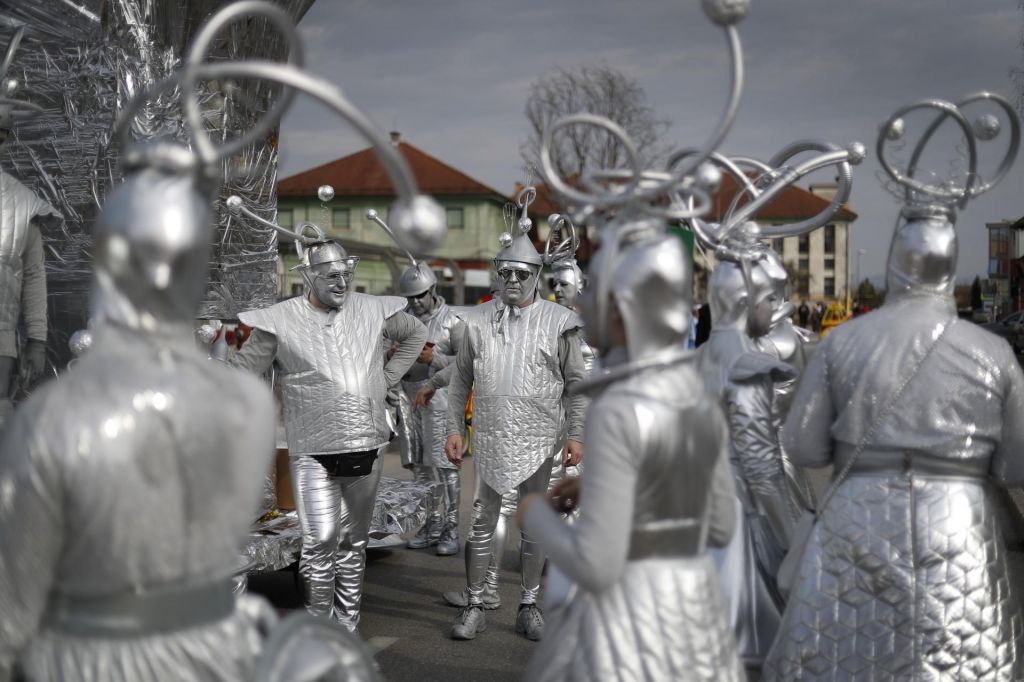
(1008, 327)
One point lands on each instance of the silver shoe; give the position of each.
(448, 544)
(530, 622)
(428, 535)
(471, 620)
(491, 598)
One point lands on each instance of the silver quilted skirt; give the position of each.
(663, 620)
(905, 578)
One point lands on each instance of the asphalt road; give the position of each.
(405, 620)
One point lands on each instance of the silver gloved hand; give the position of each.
(32, 362)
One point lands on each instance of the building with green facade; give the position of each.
(474, 211)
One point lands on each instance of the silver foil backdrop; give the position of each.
(82, 60)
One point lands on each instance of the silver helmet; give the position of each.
(416, 280)
(923, 250)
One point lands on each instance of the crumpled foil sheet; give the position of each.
(400, 509)
(82, 60)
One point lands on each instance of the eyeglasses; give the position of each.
(520, 275)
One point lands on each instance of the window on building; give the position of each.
(830, 286)
(778, 245)
(804, 265)
(830, 239)
(340, 218)
(830, 263)
(803, 285)
(805, 243)
(296, 289)
(285, 218)
(455, 218)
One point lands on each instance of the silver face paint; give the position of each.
(519, 281)
(566, 287)
(424, 304)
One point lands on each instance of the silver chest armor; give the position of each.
(18, 206)
(432, 420)
(331, 371)
(518, 387)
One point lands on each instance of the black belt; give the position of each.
(666, 540)
(141, 614)
(880, 462)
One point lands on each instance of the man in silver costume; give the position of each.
(22, 276)
(326, 347)
(905, 574)
(648, 605)
(520, 354)
(743, 298)
(119, 531)
(428, 425)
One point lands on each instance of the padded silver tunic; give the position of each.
(517, 387)
(905, 575)
(331, 371)
(648, 604)
(139, 470)
(18, 207)
(431, 422)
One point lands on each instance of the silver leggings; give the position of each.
(486, 513)
(335, 513)
(447, 498)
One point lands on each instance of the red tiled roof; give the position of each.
(362, 174)
(795, 203)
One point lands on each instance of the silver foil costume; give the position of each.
(746, 299)
(331, 366)
(905, 575)
(519, 357)
(646, 603)
(422, 432)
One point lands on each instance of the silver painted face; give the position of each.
(764, 304)
(566, 288)
(330, 282)
(519, 281)
(423, 304)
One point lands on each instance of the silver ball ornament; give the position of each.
(10, 85)
(857, 152)
(80, 342)
(895, 130)
(986, 127)
(325, 193)
(708, 177)
(525, 224)
(234, 204)
(371, 214)
(726, 12)
(420, 225)
(505, 239)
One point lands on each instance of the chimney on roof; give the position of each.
(396, 137)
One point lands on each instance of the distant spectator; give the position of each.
(803, 314)
(703, 324)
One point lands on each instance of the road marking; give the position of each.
(380, 643)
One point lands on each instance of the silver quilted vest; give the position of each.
(331, 369)
(18, 206)
(518, 387)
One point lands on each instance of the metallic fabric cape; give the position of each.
(906, 573)
(131, 473)
(518, 387)
(331, 371)
(659, 615)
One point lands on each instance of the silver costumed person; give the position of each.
(22, 274)
(425, 428)
(746, 301)
(905, 573)
(325, 346)
(520, 354)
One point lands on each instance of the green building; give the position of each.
(360, 182)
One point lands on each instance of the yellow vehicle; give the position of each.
(834, 316)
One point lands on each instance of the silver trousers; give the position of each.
(8, 366)
(444, 505)
(486, 514)
(335, 514)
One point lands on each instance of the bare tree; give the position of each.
(597, 90)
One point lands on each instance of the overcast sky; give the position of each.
(453, 77)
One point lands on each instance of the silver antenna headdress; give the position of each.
(516, 245)
(418, 278)
(923, 251)
(637, 258)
